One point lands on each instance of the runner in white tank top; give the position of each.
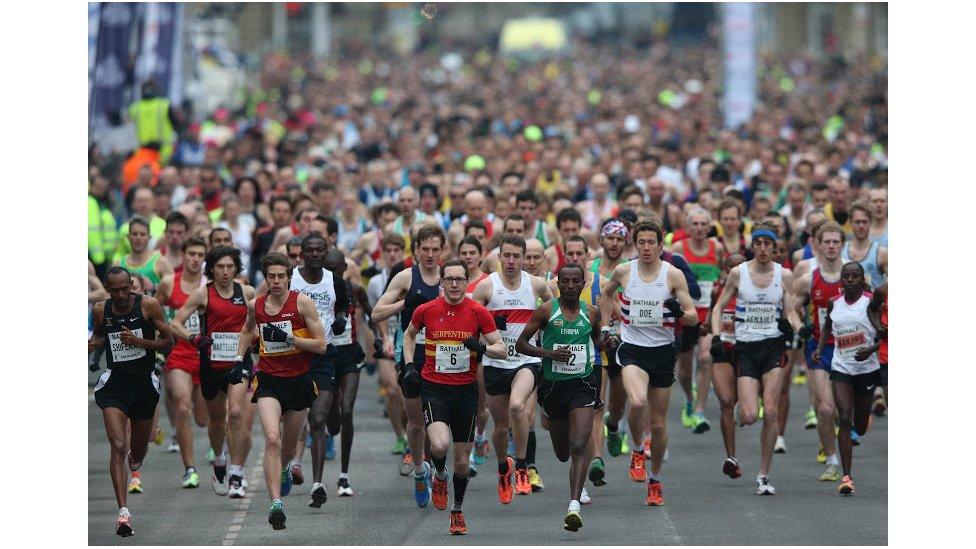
(655, 296)
(511, 298)
(763, 294)
(854, 370)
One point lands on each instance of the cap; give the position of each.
(533, 133)
(474, 163)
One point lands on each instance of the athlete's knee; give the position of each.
(748, 417)
(317, 420)
(825, 410)
(770, 413)
(184, 410)
(577, 447)
(272, 440)
(658, 426)
(117, 444)
(638, 405)
(516, 409)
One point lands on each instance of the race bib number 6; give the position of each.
(452, 359)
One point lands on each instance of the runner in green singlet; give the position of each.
(142, 260)
(570, 388)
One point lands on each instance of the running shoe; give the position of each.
(481, 451)
(535, 480)
(135, 485)
(637, 471)
(191, 479)
(406, 463)
(731, 467)
(764, 488)
(276, 515)
(573, 521)
(522, 486)
(243, 480)
(597, 472)
(846, 487)
(218, 480)
(159, 437)
(821, 456)
(505, 490)
(458, 528)
(318, 495)
(615, 441)
(832, 474)
(699, 424)
(800, 378)
(585, 497)
(686, 414)
(855, 438)
(344, 490)
(655, 495)
(211, 456)
(472, 468)
(173, 445)
(624, 447)
(286, 481)
(421, 492)
(235, 487)
(811, 420)
(879, 407)
(439, 493)
(123, 525)
(400, 446)
(296, 473)
(330, 452)
(780, 447)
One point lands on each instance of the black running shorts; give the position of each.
(455, 405)
(864, 384)
(559, 397)
(135, 393)
(759, 357)
(498, 381)
(658, 362)
(292, 393)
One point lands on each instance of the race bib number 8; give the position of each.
(271, 347)
(761, 316)
(452, 359)
(847, 341)
(577, 362)
(192, 324)
(224, 346)
(122, 352)
(645, 313)
(512, 354)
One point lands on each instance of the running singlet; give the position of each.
(560, 258)
(645, 321)
(183, 353)
(821, 293)
(852, 330)
(757, 310)
(322, 293)
(222, 322)
(540, 233)
(872, 274)
(469, 291)
(575, 334)
(147, 269)
(446, 360)
(706, 272)
(428, 292)
(348, 335)
(278, 358)
(517, 307)
(883, 349)
(126, 357)
(591, 295)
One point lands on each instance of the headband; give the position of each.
(614, 228)
(763, 232)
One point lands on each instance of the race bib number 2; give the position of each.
(577, 361)
(452, 359)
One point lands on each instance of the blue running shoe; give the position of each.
(855, 439)
(422, 487)
(308, 441)
(330, 447)
(285, 481)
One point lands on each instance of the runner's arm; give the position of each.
(680, 291)
(874, 310)
(608, 291)
(153, 313)
(824, 331)
(98, 334)
(165, 288)
(391, 302)
(883, 260)
(541, 289)
(163, 268)
(595, 328)
(536, 322)
(247, 332)
(789, 301)
(96, 291)
(801, 291)
(316, 343)
(409, 335)
(729, 290)
(482, 292)
(194, 303)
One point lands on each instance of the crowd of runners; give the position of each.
(513, 250)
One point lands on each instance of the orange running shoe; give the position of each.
(458, 528)
(637, 471)
(846, 487)
(654, 495)
(522, 486)
(439, 494)
(505, 491)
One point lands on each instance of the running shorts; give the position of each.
(758, 357)
(135, 393)
(292, 393)
(559, 397)
(864, 384)
(455, 405)
(498, 381)
(826, 355)
(658, 362)
(323, 369)
(349, 360)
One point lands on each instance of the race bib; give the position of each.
(760, 316)
(122, 352)
(345, 338)
(421, 336)
(271, 347)
(224, 346)
(821, 316)
(705, 301)
(577, 362)
(848, 340)
(728, 327)
(452, 359)
(512, 354)
(646, 313)
(192, 324)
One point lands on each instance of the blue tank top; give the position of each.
(807, 252)
(872, 273)
(418, 286)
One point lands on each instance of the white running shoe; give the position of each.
(219, 486)
(584, 497)
(173, 446)
(236, 488)
(764, 488)
(780, 447)
(344, 489)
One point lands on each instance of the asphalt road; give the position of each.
(702, 506)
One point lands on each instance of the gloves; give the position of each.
(474, 344)
(412, 301)
(806, 331)
(339, 324)
(501, 322)
(378, 348)
(201, 342)
(270, 332)
(717, 349)
(239, 373)
(785, 328)
(672, 305)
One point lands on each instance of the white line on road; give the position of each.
(257, 472)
